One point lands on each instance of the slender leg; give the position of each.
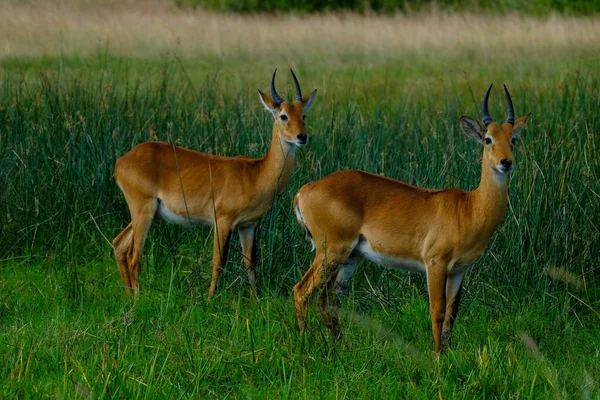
(247, 238)
(307, 286)
(220, 247)
(331, 297)
(325, 265)
(121, 245)
(140, 225)
(436, 285)
(453, 291)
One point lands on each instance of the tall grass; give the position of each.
(64, 131)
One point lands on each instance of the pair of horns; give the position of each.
(487, 119)
(276, 96)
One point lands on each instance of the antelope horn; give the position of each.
(511, 111)
(298, 91)
(487, 119)
(274, 94)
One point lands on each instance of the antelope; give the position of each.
(350, 215)
(188, 187)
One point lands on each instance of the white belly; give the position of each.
(389, 261)
(169, 216)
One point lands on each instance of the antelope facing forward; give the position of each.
(189, 187)
(352, 214)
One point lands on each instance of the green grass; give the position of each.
(67, 329)
(87, 338)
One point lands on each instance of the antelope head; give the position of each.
(498, 139)
(289, 116)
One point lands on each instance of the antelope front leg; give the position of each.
(220, 247)
(453, 291)
(247, 238)
(436, 286)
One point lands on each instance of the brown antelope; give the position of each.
(352, 214)
(189, 187)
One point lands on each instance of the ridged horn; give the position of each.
(511, 111)
(487, 119)
(274, 94)
(298, 91)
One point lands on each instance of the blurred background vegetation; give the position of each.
(537, 7)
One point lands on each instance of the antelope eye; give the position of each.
(513, 140)
(283, 117)
(487, 140)
(304, 118)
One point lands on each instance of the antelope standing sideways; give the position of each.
(189, 187)
(353, 214)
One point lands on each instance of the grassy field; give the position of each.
(81, 84)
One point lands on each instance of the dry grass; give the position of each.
(83, 27)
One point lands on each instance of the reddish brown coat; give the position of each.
(187, 186)
(353, 214)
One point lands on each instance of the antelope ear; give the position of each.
(307, 101)
(520, 124)
(268, 102)
(471, 128)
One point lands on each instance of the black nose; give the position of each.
(302, 137)
(506, 163)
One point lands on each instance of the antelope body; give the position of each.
(189, 187)
(350, 215)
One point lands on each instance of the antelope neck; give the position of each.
(277, 166)
(489, 200)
